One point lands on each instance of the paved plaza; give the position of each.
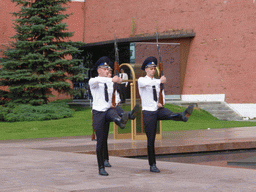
(69, 164)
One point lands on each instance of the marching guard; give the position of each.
(101, 88)
(152, 109)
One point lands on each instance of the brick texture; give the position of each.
(221, 57)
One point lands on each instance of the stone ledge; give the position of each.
(194, 148)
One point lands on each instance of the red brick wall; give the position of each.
(221, 57)
(6, 27)
(76, 21)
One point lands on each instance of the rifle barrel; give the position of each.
(116, 70)
(161, 100)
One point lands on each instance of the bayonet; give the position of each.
(116, 71)
(161, 100)
(158, 49)
(116, 50)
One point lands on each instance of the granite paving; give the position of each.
(69, 164)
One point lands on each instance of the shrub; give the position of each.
(3, 112)
(27, 112)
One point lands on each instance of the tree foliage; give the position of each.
(38, 60)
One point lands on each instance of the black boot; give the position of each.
(102, 171)
(134, 112)
(122, 121)
(187, 112)
(101, 164)
(154, 169)
(106, 163)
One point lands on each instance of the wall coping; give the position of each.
(179, 34)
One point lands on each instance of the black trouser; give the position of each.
(119, 111)
(105, 143)
(101, 122)
(150, 119)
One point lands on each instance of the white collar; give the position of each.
(150, 77)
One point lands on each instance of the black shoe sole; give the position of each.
(124, 118)
(155, 170)
(135, 111)
(190, 109)
(103, 173)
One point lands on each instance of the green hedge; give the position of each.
(27, 112)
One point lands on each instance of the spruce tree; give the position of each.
(38, 60)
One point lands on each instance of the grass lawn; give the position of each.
(201, 119)
(81, 124)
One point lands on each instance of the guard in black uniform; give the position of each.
(101, 88)
(131, 115)
(149, 89)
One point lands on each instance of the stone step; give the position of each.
(221, 111)
(218, 109)
(214, 107)
(223, 116)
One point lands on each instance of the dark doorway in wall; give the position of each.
(91, 53)
(128, 54)
(97, 51)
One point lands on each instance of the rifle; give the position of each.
(161, 99)
(116, 71)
